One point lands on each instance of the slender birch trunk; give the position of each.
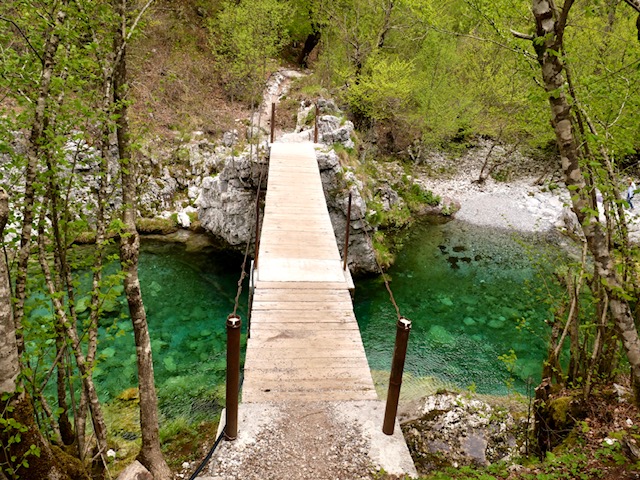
(44, 465)
(150, 454)
(36, 139)
(550, 26)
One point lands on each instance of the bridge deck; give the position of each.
(305, 343)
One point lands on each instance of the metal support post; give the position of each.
(233, 376)
(273, 121)
(346, 236)
(315, 126)
(395, 379)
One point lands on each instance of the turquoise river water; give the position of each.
(478, 320)
(475, 299)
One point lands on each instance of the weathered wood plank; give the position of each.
(299, 285)
(256, 396)
(339, 372)
(328, 337)
(267, 328)
(306, 295)
(303, 315)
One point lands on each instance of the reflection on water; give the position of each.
(473, 295)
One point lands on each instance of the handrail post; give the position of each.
(234, 322)
(273, 121)
(346, 235)
(395, 378)
(315, 126)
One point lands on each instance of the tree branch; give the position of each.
(26, 39)
(635, 4)
(481, 39)
(522, 36)
(562, 21)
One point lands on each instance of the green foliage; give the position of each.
(384, 88)
(510, 361)
(246, 35)
(416, 195)
(382, 251)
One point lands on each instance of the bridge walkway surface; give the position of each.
(309, 406)
(305, 343)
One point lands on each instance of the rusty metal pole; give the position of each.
(273, 121)
(315, 126)
(234, 323)
(346, 235)
(395, 379)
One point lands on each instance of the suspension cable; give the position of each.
(243, 275)
(384, 275)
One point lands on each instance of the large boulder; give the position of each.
(135, 471)
(227, 201)
(454, 430)
(337, 184)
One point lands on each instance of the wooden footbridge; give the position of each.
(307, 384)
(305, 343)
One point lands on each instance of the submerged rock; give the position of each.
(453, 430)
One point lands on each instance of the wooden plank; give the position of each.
(256, 396)
(327, 307)
(309, 363)
(309, 294)
(310, 343)
(317, 227)
(295, 269)
(297, 252)
(299, 285)
(300, 316)
(299, 237)
(264, 354)
(281, 337)
(267, 328)
(340, 373)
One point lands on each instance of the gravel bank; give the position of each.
(528, 201)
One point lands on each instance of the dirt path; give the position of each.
(277, 86)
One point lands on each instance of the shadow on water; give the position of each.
(474, 295)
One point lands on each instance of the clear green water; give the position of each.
(187, 298)
(473, 295)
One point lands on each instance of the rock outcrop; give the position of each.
(337, 184)
(454, 430)
(226, 203)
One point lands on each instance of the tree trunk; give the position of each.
(309, 44)
(9, 364)
(44, 465)
(150, 454)
(36, 140)
(548, 45)
(99, 425)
